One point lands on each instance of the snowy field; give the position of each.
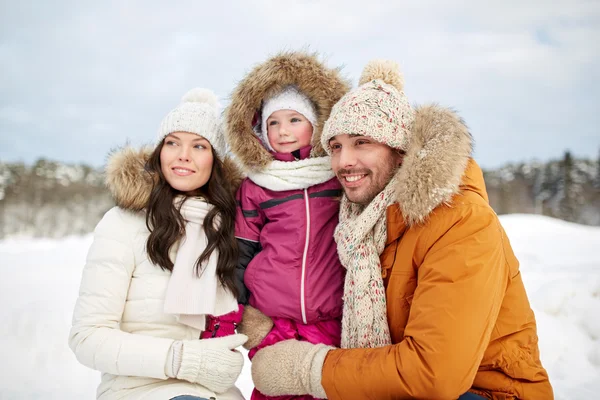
(560, 263)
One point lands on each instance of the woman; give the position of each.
(162, 261)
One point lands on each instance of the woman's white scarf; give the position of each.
(361, 235)
(291, 175)
(189, 296)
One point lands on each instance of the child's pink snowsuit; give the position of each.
(293, 271)
(222, 325)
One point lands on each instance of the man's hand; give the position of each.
(290, 367)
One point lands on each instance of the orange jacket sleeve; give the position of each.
(462, 278)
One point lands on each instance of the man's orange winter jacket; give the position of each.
(457, 309)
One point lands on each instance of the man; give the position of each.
(434, 304)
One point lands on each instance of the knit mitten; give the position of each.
(212, 363)
(290, 367)
(255, 325)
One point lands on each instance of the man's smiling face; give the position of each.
(363, 166)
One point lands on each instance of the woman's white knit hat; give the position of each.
(197, 113)
(378, 108)
(289, 98)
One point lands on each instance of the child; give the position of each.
(161, 262)
(288, 205)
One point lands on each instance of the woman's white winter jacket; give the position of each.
(119, 327)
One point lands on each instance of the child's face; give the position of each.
(186, 161)
(288, 130)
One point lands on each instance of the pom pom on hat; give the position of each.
(197, 113)
(201, 95)
(385, 70)
(378, 108)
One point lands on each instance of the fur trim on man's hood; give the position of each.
(130, 184)
(323, 86)
(434, 164)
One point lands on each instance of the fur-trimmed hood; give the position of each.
(435, 163)
(323, 86)
(130, 184)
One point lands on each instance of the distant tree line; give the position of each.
(50, 199)
(568, 189)
(53, 199)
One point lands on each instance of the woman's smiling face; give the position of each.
(186, 161)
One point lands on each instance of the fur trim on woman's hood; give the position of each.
(324, 86)
(130, 184)
(435, 162)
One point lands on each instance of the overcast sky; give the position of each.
(80, 77)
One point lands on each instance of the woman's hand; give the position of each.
(212, 363)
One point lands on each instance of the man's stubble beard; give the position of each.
(378, 186)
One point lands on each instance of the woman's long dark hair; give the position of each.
(167, 226)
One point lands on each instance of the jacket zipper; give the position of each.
(302, 301)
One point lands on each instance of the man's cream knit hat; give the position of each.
(378, 108)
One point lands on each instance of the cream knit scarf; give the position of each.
(188, 296)
(360, 236)
(291, 175)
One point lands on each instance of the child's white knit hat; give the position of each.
(289, 98)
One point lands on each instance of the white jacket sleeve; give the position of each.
(95, 337)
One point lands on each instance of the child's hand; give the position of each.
(255, 325)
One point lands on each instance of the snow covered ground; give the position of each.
(560, 263)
